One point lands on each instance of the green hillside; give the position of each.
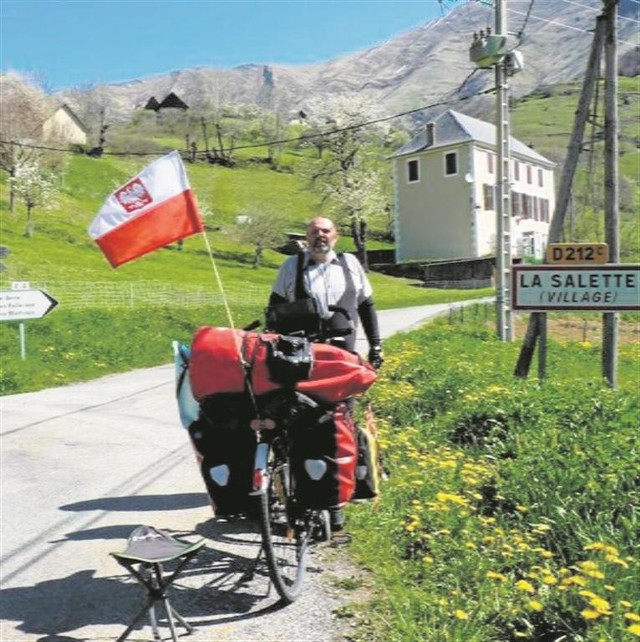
(178, 287)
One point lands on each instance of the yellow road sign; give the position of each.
(577, 253)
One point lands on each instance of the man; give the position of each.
(331, 280)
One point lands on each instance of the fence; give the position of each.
(76, 295)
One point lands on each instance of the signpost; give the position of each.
(21, 303)
(610, 287)
(577, 253)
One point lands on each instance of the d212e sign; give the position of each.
(608, 288)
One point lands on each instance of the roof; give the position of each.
(64, 107)
(452, 127)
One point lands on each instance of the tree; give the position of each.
(36, 187)
(23, 106)
(346, 175)
(262, 229)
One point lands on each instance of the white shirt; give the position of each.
(325, 282)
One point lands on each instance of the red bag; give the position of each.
(215, 366)
(323, 459)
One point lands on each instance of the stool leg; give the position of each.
(180, 619)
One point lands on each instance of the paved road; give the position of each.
(82, 466)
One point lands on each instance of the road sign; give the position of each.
(577, 253)
(567, 287)
(18, 305)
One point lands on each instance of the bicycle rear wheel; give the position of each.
(285, 536)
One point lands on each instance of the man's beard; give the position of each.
(321, 247)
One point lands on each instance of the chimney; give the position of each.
(431, 134)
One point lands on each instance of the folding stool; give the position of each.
(148, 548)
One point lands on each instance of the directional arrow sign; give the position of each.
(18, 305)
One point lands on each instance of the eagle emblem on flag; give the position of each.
(133, 195)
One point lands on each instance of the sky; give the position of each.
(78, 43)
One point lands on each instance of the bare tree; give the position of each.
(262, 229)
(23, 107)
(346, 175)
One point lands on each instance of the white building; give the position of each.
(64, 125)
(445, 192)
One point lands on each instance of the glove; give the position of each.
(376, 358)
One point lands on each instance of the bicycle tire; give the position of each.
(285, 536)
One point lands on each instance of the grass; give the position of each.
(511, 508)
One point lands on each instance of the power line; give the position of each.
(283, 141)
(584, 6)
(524, 24)
(561, 24)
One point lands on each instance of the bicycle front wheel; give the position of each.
(284, 536)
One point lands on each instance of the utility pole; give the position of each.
(503, 188)
(490, 50)
(611, 189)
(537, 320)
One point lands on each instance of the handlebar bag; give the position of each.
(297, 316)
(289, 360)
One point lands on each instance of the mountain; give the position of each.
(417, 68)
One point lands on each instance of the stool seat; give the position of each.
(148, 548)
(148, 545)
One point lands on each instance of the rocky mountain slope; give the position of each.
(417, 68)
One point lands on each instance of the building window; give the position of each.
(516, 210)
(529, 174)
(544, 203)
(490, 162)
(489, 199)
(413, 171)
(516, 170)
(540, 178)
(451, 164)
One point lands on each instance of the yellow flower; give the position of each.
(590, 614)
(634, 629)
(492, 575)
(601, 605)
(523, 585)
(550, 579)
(634, 617)
(461, 615)
(534, 605)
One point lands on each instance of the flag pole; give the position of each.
(241, 360)
(218, 279)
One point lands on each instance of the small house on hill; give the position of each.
(65, 126)
(172, 101)
(445, 192)
(152, 104)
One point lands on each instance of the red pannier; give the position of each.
(323, 459)
(215, 366)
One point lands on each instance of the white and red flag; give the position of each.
(154, 209)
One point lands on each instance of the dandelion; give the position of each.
(525, 586)
(534, 605)
(634, 617)
(461, 615)
(492, 575)
(634, 629)
(590, 614)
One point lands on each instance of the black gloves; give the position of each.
(376, 359)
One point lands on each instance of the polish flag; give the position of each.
(152, 210)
